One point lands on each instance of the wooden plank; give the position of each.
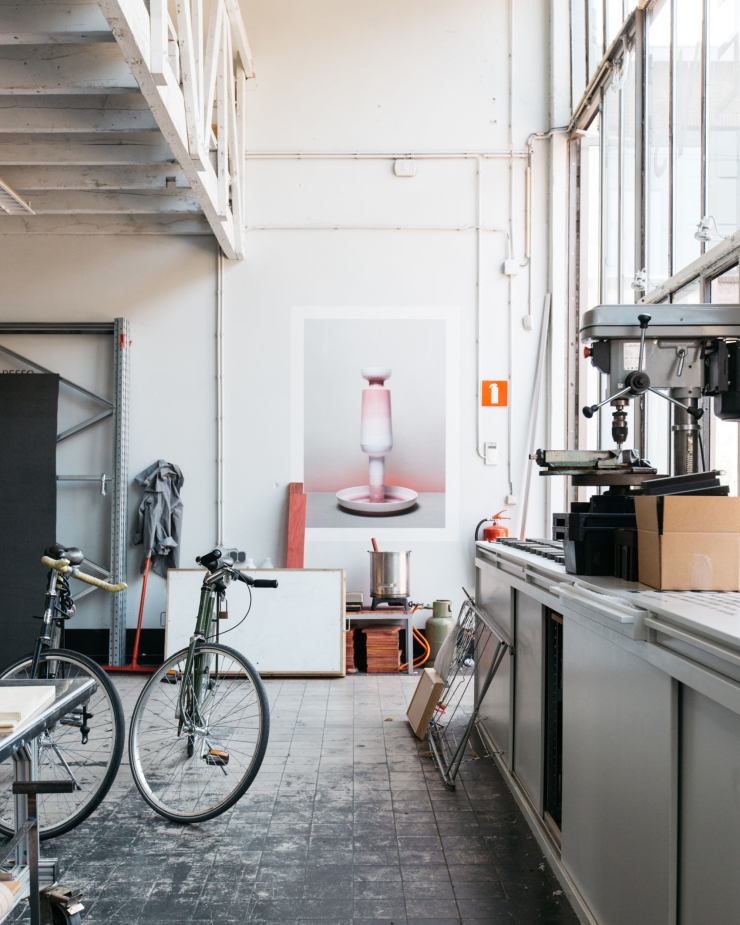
(71, 151)
(129, 21)
(36, 23)
(240, 36)
(52, 119)
(190, 87)
(60, 69)
(222, 153)
(296, 525)
(104, 224)
(109, 202)
(159, 36)
(210, 66)
(131, 100)
(99, 177)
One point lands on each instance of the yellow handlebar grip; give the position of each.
(62, 565)
(59, 564)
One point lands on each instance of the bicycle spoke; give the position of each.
(223, 716)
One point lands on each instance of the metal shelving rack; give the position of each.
(118, 409)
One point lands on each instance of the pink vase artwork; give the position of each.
(376, 439)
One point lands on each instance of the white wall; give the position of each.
(166, 288)
(423, 76)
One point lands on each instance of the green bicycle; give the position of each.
(200, 726)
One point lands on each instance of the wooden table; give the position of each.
(389, 616)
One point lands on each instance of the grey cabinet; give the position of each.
(496, 597)
(709, 835)
(529, 697)
(618, 748)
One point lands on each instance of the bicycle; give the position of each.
(200, 726)
(93, 759)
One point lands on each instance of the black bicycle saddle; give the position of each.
(72, 554)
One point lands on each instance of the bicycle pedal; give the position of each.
(217, 757)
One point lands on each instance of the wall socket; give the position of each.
(491, 453)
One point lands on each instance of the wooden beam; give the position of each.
(64, 177)
(104, 224)
(296, 525)
(74, 202)
(190, 86)
(159, 37)
(36, 23)
(240, 36)
(60, 69)
(53, 119)
(129, 21)
(210, 65)
(29, 150)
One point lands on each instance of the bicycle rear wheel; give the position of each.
(194, 766)
(61, 754)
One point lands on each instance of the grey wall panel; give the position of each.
(529, 696)
(709, 882)
(617, 767)
(495, 597)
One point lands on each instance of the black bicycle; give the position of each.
(86, 745)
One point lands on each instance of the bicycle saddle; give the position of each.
(72, 554)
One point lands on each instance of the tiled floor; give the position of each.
(347, 822)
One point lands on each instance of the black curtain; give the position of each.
(28, 504)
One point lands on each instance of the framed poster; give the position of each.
(374, 421)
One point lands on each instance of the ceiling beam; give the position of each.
(35, 23)
(104, 224)
(38, 69)
(51, 119)
(143, 177)
(75, 202)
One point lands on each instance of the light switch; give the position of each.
(491, 451)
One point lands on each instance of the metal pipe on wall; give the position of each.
(219, 397)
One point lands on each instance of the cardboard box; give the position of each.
(427, 693)
(689, 543)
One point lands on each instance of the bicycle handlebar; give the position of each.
(62, 565)
(255, 582)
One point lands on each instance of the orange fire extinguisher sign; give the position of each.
(495, 393)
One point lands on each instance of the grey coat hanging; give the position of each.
(159, 520)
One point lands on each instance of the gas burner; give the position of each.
(402, 602)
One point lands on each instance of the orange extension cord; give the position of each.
(419, 661)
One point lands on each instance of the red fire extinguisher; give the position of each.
(494, 532)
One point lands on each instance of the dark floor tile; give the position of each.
(378, 889)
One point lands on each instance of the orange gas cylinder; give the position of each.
(497, 530)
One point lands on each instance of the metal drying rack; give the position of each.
(453, 720)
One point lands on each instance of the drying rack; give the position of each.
(456, 714)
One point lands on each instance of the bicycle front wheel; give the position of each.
(196, 743)
(66, 752)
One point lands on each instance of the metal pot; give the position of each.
(389, 574)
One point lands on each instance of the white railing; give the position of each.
(191, 72)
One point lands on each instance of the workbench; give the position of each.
(23, 865)
(616, 724)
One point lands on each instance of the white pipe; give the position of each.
(220, 398)
(382, 156)
(534, 406)
(510, 322)
(372, 228)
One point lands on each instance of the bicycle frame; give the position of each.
(210, 595)
(44, 639)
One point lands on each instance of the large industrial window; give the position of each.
(662, 97)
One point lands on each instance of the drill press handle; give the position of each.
(644, 320)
